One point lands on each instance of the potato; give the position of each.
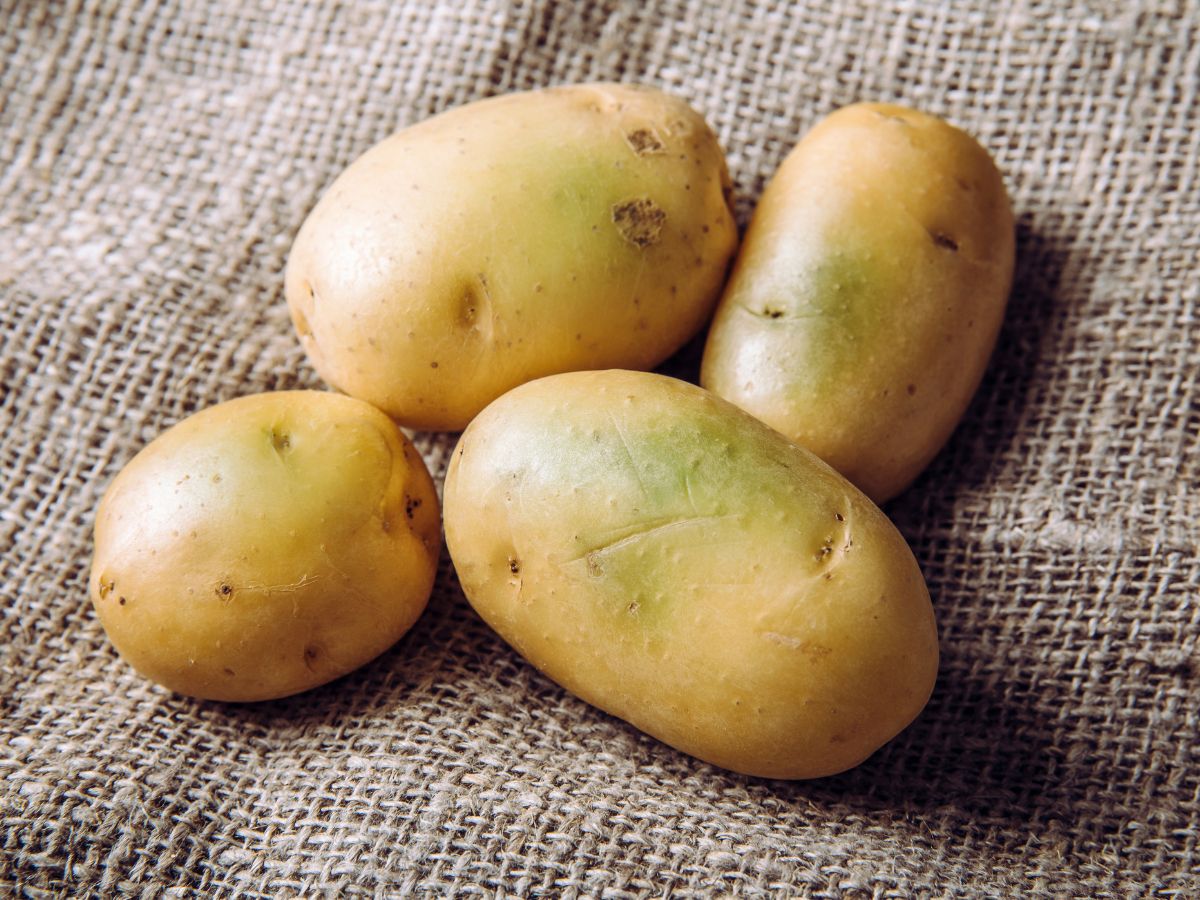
(677, 563)
(265, 546)
(868, 293)
(570, 228)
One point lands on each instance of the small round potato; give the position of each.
(677, 563)
(868, 293)
(575, 227)
(265, 546)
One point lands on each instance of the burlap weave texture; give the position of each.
(156, 160)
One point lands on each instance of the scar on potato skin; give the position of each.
(644, 142)
(280, 441)
(311, 652)
(299, 316)
(943, 240)
(794, 643)
(639, 221)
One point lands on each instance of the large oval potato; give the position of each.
(677, 563)
(570, 228)
(868, 293)
(265, 546)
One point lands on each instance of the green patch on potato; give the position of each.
(679, 564)
(265, 545)
(571, 228)
(868, 293)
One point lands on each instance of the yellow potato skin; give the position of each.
(868, 293)
(265, 545)
(575, 227)
(677, 563)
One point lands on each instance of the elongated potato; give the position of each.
(265, 545)
(868, 293)
(569, 228)
(672, 560)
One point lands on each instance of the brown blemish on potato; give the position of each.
(412, 504)
(475, 306)
(912, 389)
(225, 590)
(311, 653)
(633, 608)
(468, 309)
(281, 441)
(640, 221)
(644, 142)
(122, 601)
(107, 586)
(943, 240)
(228, 671)
(514, 565)
(300, 317)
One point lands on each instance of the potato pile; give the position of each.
(695, 560)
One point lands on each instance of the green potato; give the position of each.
(868, 293)
(265, 546)
(569, 228)
(677, 563)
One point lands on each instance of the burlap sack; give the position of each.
(157, 159)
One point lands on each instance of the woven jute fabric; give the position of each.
(156, 160)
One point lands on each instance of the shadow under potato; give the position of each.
(982, 750)
(410, 672)
(988, 748)
(1000, 759)
(975, 751)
